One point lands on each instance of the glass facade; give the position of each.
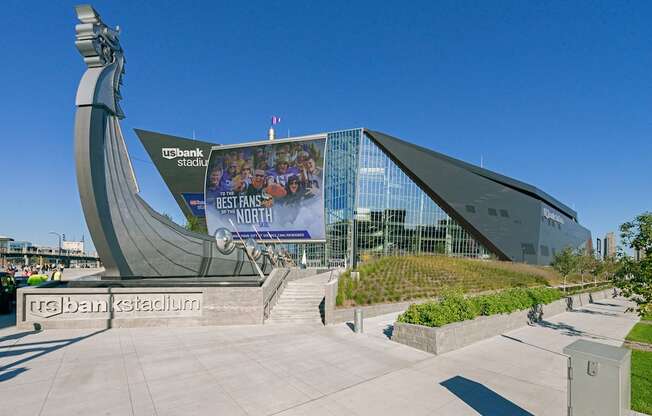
(374, 209)
(342, 152)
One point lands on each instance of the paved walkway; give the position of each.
(292, 370)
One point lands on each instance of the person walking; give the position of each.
(58, 273)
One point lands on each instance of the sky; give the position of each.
(553, 93)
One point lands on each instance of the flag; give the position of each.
(275, 120)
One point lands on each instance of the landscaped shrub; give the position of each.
(36, 279)
(401, 278)
(454, 307)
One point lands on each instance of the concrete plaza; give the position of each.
(293, 370)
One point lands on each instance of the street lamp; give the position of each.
(59, 253)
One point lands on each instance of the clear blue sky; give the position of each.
(557, 94)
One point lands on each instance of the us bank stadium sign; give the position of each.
(118, 305)
(192, 158)
(551, 215)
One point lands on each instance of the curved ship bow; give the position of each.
(131, 238)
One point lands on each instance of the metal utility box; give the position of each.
(598, 379)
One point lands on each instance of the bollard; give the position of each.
(357, 321)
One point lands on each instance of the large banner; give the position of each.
(267, 191)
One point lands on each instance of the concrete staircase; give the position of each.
(300, 301)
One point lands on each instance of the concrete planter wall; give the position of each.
(460, 334)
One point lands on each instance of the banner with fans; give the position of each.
(270, 190)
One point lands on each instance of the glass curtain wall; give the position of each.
(374, 209)
(340, 192)
(315, 256)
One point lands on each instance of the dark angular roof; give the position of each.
(389, 143)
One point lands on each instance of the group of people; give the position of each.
(54, 271)
(282, 174)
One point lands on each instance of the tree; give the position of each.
(637, 234)
(193, 224)
(634, 277)
(565, 263)
(609, 267)
(585, 262)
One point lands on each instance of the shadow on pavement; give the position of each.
(482, 399)
(593, 312)
(607, 304)
(566, 329)
(17, 335)
(11, 370)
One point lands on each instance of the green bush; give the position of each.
(36, 279)
(454, 307)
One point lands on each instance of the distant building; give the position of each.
(76, 247)
(4, 247)
(4, 242)
(609, 248)
(25, 253)
(20, 245)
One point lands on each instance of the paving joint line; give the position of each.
(211, 375)
(349, 387)
(56, 373)
(140, 364)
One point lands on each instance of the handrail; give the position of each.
(268, 301)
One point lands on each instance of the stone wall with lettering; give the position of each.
(116, 306)
(62, 307)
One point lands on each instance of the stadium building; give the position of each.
(362, 194)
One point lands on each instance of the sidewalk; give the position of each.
(293, 370)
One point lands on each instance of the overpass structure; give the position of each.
(46, 255)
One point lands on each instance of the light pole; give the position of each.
(59, 252)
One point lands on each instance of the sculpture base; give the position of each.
(96, 303)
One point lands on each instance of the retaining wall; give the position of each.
(453, 336)
(334, 315)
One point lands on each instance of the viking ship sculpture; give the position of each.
(131, 238)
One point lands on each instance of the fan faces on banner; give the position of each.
(276, 189)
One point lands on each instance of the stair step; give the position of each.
(303, 292)
(298, 303)
(296, 313)
(309, 306)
